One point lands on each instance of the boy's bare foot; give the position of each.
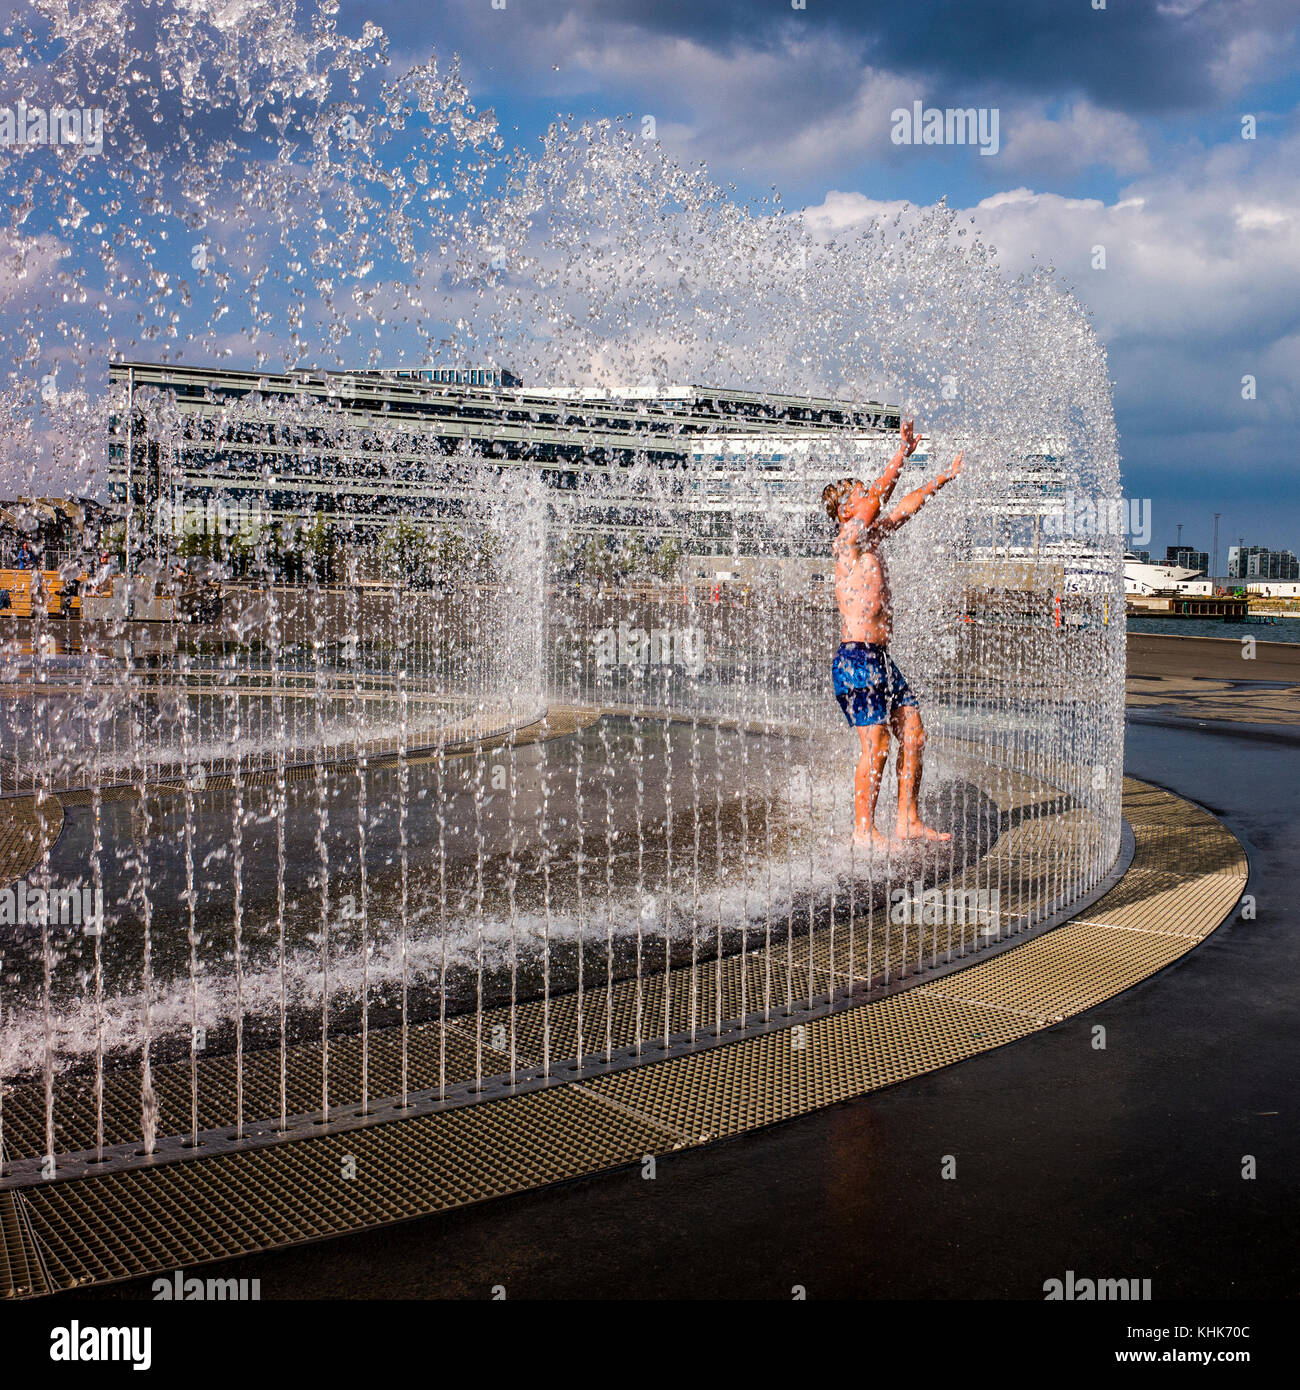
(872, 839)
(917, 830)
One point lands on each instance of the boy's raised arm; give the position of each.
(881, 490)
(914, 501)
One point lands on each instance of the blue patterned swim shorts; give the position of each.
(867, 684)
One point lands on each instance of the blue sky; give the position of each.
(1120, 127)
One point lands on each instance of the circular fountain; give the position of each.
(510, 751)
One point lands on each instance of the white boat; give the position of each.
(1142, 577)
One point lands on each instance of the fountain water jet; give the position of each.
(314, 876)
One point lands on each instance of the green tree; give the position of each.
(668, 559)
(321, 547)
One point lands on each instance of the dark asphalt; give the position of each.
(1216, 658)
(1122, 1163)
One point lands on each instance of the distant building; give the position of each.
(359, 450)
(1186, 559)
(453, 376)
(1259, 562)
(1143, 557)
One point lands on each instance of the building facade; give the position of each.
(366, 450)
(1259, 562)
(1184, 558)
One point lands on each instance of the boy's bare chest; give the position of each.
(863, 573)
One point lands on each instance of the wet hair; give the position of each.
(835, 493)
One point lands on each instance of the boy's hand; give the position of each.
(953, 469)
(908, 438)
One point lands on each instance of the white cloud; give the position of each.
(1209, 246)
(790, 109)
(838, 211)
(803, 108)
(1257, 218)
(1201, 286)
(1250, 56)
(27, 264)
(1083, 137)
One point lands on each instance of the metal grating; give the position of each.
(29, 825)
(780, 1075)
(1062, 973)
(137, 1222)
(21, 1274)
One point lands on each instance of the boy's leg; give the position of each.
(866, 782)
(910, 733)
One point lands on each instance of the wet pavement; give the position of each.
(1125, 1162)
